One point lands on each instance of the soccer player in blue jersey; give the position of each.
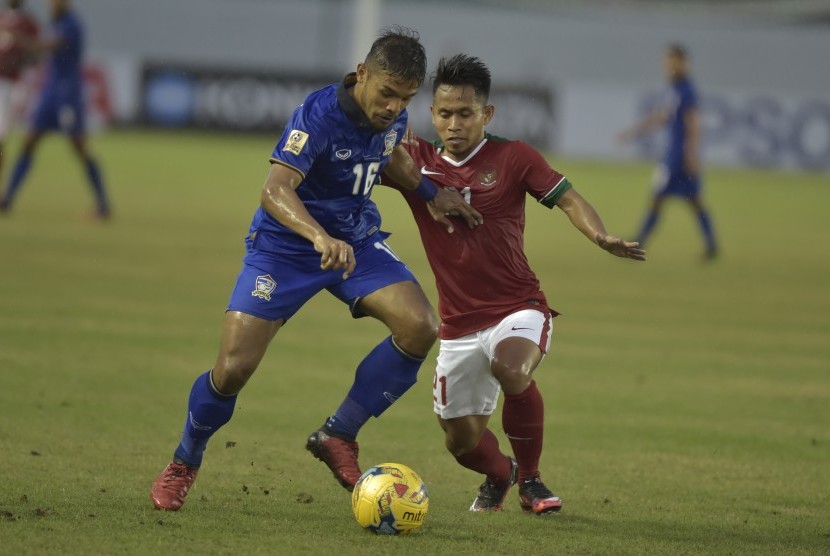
(317, 229)
(679, 173)
(60, 106)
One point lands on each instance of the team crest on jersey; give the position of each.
(296, 141)
(343, 154)
(265, 286)
(487, 177)
(389, 142)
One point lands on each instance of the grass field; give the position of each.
(688, 405)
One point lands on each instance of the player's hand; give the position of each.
(621, 248)
(335, 254)
(409, 137)
(448, 202)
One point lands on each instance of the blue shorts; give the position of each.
(56, 112)
(669, 181)
(274, 286)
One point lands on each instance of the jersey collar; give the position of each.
(469, 156)
(348, 104)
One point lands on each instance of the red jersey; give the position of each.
(13, 25)
(483, 274)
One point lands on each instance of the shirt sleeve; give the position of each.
(544, 183)
(302, 141)
(413, 150)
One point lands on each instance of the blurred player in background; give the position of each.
(496, 323)
(317, 229)
(679, 173)
(18, 34)
(60, 106)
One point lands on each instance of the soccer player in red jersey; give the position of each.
(18, 31)
(496, 323)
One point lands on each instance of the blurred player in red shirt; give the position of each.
(18, 32)
(496, 323)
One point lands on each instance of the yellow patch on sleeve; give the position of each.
(296, 141)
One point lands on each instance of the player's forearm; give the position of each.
(47, 45)
(582, 215)
(281, 201)
(650, 123)
(402, 169)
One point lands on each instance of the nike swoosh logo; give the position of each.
(426, 172)
(520, 328)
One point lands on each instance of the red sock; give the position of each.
(486, 458)
(523, 417)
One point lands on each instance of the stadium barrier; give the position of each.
(183, 96)
(770, 130)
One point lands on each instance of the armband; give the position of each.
(426, 189)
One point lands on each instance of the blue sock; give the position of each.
(93, 172)
(706, 226)
(648, 226)
(21, 168)
(207, 411)
(381, 378)
(348, 419)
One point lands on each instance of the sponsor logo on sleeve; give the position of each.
(389, 142)
(296, 141)
(265, 286)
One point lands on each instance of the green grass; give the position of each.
(688, 405)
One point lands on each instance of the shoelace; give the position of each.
(350, 452)
(536, 489)
(176, 472)
(490, 492)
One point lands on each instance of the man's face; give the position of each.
(674, 66)
(58, 7)
(459, 117)
(382, 96)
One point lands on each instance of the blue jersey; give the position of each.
(340, 156)
(64, 73)
(683, 98)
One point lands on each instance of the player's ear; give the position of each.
(361, 72)
(489, 110)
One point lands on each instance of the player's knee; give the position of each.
(230, 374)
(460, 444)
(513, 377)
(418, 334)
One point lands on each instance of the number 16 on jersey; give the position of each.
(364, 179)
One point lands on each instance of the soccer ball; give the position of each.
(390, 499)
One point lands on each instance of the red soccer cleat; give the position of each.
(171, 487)
(340, 455)
(535, 497)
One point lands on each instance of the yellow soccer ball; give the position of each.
(390, 499)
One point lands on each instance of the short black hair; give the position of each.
(677, 50)
(462, 69)
(399, 52)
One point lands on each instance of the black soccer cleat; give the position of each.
(490, 496)
(535, 497)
